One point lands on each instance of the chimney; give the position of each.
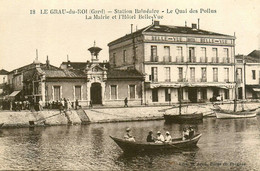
(47, 62)
(156, 23)
(131, 28)
(198, 23)
(185, 23)
(194, 26)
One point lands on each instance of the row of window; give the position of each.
(114, 92)
(167, 94)
(154, 74)
(78, 89)
(191, 54)
(58, 89)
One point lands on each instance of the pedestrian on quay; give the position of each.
(126, 102)
(90, 104)
(76, 104)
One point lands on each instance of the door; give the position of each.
(95, 93)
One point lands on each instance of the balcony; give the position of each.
(204, 59)
(226, 60)
(239, 80)
(215, 79)
(182, 80)
(215, 59)
(192, 59)
(154, 58)
(226, 80)
(179, 59)
(167, 80)
(203, 80)
(167, 59)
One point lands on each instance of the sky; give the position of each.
(59, 35)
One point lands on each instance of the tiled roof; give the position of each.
(181, 30)
(168, 29)
(82, 65)
(248, 59)
(31, 66)
(255, 55)
(123, 74)
(3, 72)
(64, 73)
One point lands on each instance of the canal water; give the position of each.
(225, 144)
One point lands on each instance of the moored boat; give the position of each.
(176, 144)
(183, 117)
(226, 114)
(1, 125)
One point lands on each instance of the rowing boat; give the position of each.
(225, 114)
(1, 125)
(177, 144)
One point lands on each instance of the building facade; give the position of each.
(248, 75)
(198, 61)
(88, 82)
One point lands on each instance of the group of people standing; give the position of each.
(188, 133)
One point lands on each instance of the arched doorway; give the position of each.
(95, 93)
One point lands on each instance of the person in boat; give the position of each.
(185, 134)
(168, 137)
(128, 135)
(150, 137)
(191, 132)
(159, 138)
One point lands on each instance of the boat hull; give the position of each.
(183, 117)
(222, 114)
(1, 125)
(176, 144)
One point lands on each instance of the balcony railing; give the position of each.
(182, 80)
(239, 80)
(203, 80)
(215, 59)
(167, 80)
(167, 59)
(226, 80)
(226, 60)
(215, 79)
(154, 58)
(204, 59)
(192, 59)
(179, 59)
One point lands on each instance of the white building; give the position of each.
(3, 79)
(249, 66)
(202, 62)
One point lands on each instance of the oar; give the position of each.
(183, 151)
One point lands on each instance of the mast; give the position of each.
(235, 79)
(180, 96)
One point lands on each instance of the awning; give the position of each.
(13, 94)
(256, 89)
(178, 85)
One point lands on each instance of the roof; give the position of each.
(253, 57)
(31, 66)
(255, 53)
(82, 65)
(169, 29)
(3, 72)
(49, 73)
(123, 74)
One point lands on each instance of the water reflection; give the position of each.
(88, 147)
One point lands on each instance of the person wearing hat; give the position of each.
(185, 134)
(150, 137)
(168, 137)
(128, 136)
(159, 138)
(191, 132)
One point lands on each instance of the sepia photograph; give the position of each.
(125, 85)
